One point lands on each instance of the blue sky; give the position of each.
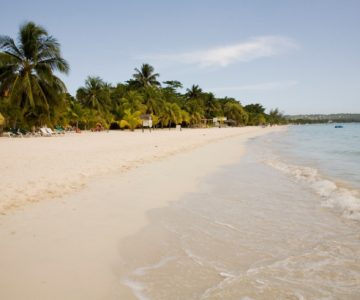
(299, 56)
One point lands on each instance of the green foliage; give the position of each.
(131, 120)
(2, 120)
(171, 114)
(255, 108)
(30, 93)
(133, 101)
(95, 95)
(276, 117)
(235, 112)
(173, 85)
(153, 100)
(144, 77)
(27, 73)
(256, 114)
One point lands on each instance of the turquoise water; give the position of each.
(326, 158)
(333, 151)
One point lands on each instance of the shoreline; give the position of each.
(247, 231)
(67, 248)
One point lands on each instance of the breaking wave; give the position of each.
(342, 199)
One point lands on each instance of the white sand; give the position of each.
(91, 191)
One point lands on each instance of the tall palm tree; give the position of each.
(211, 105)
(131, 120)
(27, 70)
(95, 94)
(171, 114)
(133, 101)
(145, 77)
(153, 99)
(195, 92)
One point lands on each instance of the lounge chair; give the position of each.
(49, 130)
(44, 132)
(24, 132)
(16, 132)
(9, 134)
(58, 129)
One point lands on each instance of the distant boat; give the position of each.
(339, 126)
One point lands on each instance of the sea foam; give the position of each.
(344, 200)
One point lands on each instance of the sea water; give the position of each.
(327, 158)
(282, 223)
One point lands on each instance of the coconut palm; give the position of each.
(145, 77)
(95, 94)
(153, 99)
(27, 70)
(171, 114)
(133, 101)
(173, 85)
(131, 120)
(195, 92)
(212, 107)
(76, 113)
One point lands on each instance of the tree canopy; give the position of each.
(31, 94)
(27, 78)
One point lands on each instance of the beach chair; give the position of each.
(9, 134)
(44, 132)
(50, 131)
(59, 129)
(24, 132)
(16, 132)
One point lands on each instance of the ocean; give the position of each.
(282, 223)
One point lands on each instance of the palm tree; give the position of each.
(27, 70)
(76, 113)
(153, 99)
(173, 85)
(95, 94)
(133, 101)
(195, 110)
(171, 114)
(145, 77)
(211, 105)
(195, 92)
(131, 120)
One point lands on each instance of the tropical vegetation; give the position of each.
(32, 95)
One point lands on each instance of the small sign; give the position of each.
(147, 123)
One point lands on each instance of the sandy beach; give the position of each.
(68, 201)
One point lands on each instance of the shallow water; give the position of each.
(259, 229)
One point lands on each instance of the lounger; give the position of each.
(44, 132)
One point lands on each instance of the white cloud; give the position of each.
(252, 49)
(274, 85)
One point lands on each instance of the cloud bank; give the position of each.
(265, 46)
